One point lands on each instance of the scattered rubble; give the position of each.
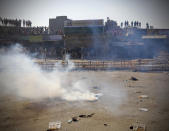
(54, 126)
(51, 130)
(90, 115)
(83, 116)
(86, 116)
(143, 96)
(133, 78)
(131, 127)
(143, 109)
(69, 121)
(105, 124)
(138, 127)
(75, 119)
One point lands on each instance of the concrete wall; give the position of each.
(56, 25)
(97, 22)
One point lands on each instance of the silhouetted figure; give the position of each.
(23, 23)
(5, 21)
(140, 24)
(19, 23)
(147, 25)
(26, 23)
(137, 23)
(2, 21)
(30, 23)
(132, 24)
(121, 24)
(127, 23)
(16, 24)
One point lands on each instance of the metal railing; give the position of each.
(134, 65)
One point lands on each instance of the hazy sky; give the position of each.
(156, 12)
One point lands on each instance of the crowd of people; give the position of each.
(15, 22)
(23, 31)
(27, 23)
(149, 26)
(10, 22)
(131, 24)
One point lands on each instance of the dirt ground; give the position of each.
(117, 108)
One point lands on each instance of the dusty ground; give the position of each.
(118, 107)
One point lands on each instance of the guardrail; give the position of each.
(134, 65)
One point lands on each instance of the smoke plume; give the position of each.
(20, 76)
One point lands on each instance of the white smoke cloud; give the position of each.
(20, 76)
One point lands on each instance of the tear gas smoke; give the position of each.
(20, 76)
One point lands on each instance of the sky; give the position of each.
(155, 12)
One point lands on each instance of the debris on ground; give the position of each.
(54, 126)
(143, 109)
(51, 129)
(138, 91)
(131, 127)
(138, 127)
(83, 116)
(86, 116)
(105, 124)
(143, 96)
(133, 78)
(69, 121)
(75, 119)
(90, 115)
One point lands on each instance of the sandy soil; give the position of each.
(118, 107)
